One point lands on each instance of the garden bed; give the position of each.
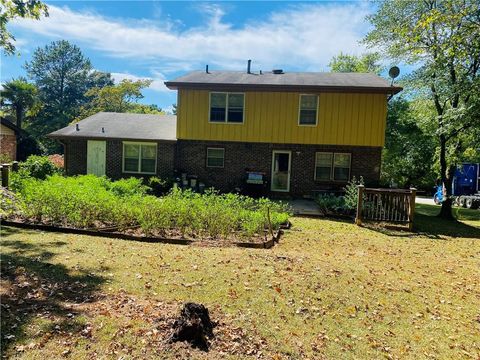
(114, 233)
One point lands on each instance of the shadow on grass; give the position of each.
(430, 226)
(34, 289)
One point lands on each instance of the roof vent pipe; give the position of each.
(206, 69)
(249, 65)
(77, 127)
(103, 129)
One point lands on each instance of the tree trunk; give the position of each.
(446, 210)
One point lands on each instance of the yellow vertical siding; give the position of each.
(343, 119)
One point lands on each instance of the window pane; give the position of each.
(131, 150)
(341, 173)
(235, 115)
(218, 104)
(308, 102)
(148, 165)
(322, 173)
(215, 157)
(342, 160)
(149, 151)
(215, 162)
(235, 101)
(308, 117)
(215, 153)
(131, 164)
(324, 159)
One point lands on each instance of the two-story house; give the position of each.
(303, 131)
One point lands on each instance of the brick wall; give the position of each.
(76, 158)
(8, 146)
(240, 157)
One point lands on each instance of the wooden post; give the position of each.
(358, 219)
(5, 175)
(411, 211)
(269, 222)
(15, 166)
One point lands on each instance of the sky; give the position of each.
(163, 40)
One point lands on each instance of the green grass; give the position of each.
(329, 289)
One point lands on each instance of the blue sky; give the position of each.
(162, 40)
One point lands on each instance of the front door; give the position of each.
(96, 157)
(281, 163)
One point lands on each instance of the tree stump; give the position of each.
(193, 325)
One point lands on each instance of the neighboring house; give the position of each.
(302, 132)
(8, 140)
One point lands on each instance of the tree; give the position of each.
(62, 75)
(11, 9)
(366, 63)
(121, 98)
(406, 158)
(19, 96)
(441, 37)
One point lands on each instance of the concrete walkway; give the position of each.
(305, 207)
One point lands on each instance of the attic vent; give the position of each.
(277, 71)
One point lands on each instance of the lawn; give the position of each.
(329, 289)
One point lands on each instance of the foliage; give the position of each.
(62, 75)
(329, 203)
(14, 9)
(366, 63)
(38, 167)
(159, 186)
(89, 201)
(122, 97)
(351, 193)
(409, 149)
(441, 37)
(19, 97)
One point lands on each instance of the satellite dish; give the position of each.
(394, 72)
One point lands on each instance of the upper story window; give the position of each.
(139, 158)
(226, 107)
(308, 110)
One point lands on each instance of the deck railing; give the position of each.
(386, 205)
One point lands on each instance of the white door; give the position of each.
(281, 163)
(96, 157)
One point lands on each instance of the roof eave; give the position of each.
(173, 85)
(87, 137)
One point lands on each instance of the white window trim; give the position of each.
(332, 167)
(226, 108)
(300, 109)
(206, 159)
(139, 157)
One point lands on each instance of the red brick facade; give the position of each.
(242, 157)
(189, 156)
(76, 158)
(8, 146)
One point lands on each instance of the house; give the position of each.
(8, 140)
(301, 132)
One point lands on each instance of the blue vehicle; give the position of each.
(465, 187)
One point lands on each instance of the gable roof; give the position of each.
(121, 126)
(288, 81)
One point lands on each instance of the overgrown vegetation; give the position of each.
(88, 202)
(346, 204)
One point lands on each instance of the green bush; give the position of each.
(89, 201)
(159, 186)
(351, 193)
(39, 167)
(330, 203)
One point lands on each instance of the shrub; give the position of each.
(330, 203)
(159, 186)
(39, 167)
(351, 193)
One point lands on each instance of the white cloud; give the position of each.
(157, 84)
(303, 37)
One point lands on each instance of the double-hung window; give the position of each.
(215, 157)
(332, 166)
(140, 158)
(226, 107)
(308, 110)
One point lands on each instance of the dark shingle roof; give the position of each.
(316, 81)
(122, 126)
